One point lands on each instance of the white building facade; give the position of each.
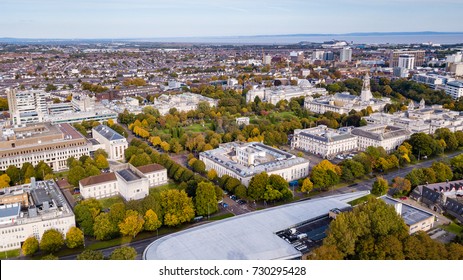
(388, 137)
(454, 89)
(114, 143)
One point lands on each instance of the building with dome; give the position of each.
(344, 102)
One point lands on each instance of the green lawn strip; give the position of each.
(108, 202)
(361, 200)
(221, 217)
(453, 228)
(10, 254)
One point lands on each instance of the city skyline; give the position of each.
(153, 19)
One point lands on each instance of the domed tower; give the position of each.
(422, 104)
(366, 91)
(411, 105)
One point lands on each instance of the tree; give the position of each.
(212, 174)
(30, 246)
(443, 171)
(101, 162)
(140, 160)
(90, 255)
(76, 174)
(132, 224)
(52, 240)
(325, 174)
(117, 213)
(199, 166)
(177, 207)
(380, 186)
(307, 186)
(103, 228)
(152, 222)
(100, 152)
(205, 199)
(240, 191)
(370, 231)
(74, 238)
(401, 185)
(91, 170)
(42, 169)
(86, 211)
(257, 186)
(14, 173)
(123, 253)
(4, 181)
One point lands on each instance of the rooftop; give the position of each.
(150, 168)
(251, 236)
(410, 214)
(98, 179)
(108, 133)
(128, 175)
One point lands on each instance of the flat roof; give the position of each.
(10, 210)
(250, 236)
(108, 133)
(128, 175)
(410, 214)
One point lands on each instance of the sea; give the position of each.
(453, 38)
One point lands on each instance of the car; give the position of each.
(403, 198)
(233, 197)
(241, 202)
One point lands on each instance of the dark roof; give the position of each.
(128, 175)
(9, 210)
(40, 196)
(454, 206)
(430, 194)
(98, 179)
(150, 168)
(108, 133)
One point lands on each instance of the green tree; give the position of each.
(74, 238)
(30, 246)
(117, 213)
(401, 185)
(140, 160)
(90, 255)
(100, 152)
(443, 171)
(76, 174)
(42, 169)
(205, 199)
(241, 191)
(380, 186)
(257, 186)
(4, 181)
(86, 211)
(199, 166)
(14, 173)
(325, 174)
(103, 228)
(52, 241)
(132, 224)
(177, 207)
(123, 253)
(152, 221)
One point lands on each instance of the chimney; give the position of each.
(398, 208)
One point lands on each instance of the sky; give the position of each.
(202, 18)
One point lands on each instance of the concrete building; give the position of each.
(434, 81)
(37, 207)
(415, 218)
(181, 102)
(267, 59)
(407, 61)
(82, 103)
(244, 160)
(33, 143)
(296, 56)
(344, 102)
(26, 106)
(114, 143)
(328, 56)
(242, 121)
(275, 94)
(456, 69)
(126, 180)
(318, 54)
(99, 115)
(388, 137)
(454, 89)
(395, 54)
(324, 141)
(345, 55)
(259, 235)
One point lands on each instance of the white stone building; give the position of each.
(275, 94)
(242, 121)
(182, 102)
(388, 137)
(454, 89)
(34, 208)
(344, 102)
(323, 141)
(130, 182)
(245, 160)
(114, 143)
(33, 143)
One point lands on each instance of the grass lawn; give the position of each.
(108, 202)
(453, 228)
(170, 185)
(285, 115)
(9, 254)
(197, 127)
(221, 217)
(361, 200)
